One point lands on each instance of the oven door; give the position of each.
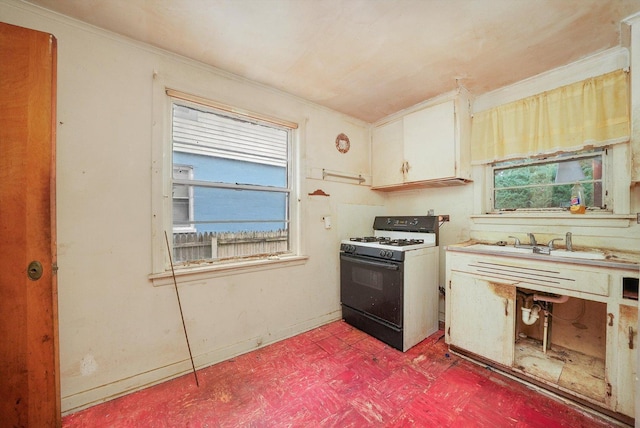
(372, 286)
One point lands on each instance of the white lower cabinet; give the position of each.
(484, 313)
(627, 351)
(582, 343)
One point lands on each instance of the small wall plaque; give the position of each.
(342, 143)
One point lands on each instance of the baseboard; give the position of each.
(100, 394)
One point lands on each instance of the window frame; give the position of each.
(546, 159)
(191, 182)
(162, 268)
(190, 228)
(616, 175)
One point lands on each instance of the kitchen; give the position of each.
(119, 327)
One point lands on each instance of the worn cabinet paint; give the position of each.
(627, 350)
(592, 359)
(483, 317)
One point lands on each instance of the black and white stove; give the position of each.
(389, 281)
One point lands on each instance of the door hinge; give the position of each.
(54, 268)
(448, 331)
(608, 389)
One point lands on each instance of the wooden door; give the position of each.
(29, 382)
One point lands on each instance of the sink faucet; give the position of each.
(517, 241)
(532, 239)
(550, 243)
(568, 242)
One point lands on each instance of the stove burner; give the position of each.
(364, 239)
(384, 240)
(403, 242)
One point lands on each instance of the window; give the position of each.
(183, 200)
(545, 184)
(231, 185)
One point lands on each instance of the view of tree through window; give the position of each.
(547, 183)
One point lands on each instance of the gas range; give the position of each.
(392, 236)
(389, 280)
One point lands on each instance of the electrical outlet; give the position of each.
(445, 217)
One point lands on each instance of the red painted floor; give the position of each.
(337, 376)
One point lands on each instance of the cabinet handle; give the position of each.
(407, 167)
(610, 319)
(630, 337)
(402, 170)
(506, 307)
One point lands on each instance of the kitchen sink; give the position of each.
(500, 249)
(586, 255)
(562, 253)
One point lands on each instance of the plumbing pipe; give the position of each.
(530, 315)
(541, 298)
(545, 332)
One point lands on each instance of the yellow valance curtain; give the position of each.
(590, 113)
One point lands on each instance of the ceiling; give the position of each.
(367, 58)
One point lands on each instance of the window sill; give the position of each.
(558, 218)
(214, 270)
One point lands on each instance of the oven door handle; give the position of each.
(384, 265)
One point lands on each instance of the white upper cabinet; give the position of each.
(428, 147)
(387, 159)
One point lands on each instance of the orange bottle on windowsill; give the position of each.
(577, 200)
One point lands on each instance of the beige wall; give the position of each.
(117, 331)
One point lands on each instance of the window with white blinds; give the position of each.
(237, 185)
(211, 134)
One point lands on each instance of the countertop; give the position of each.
(612, 258)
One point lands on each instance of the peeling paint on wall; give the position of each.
(88, 365)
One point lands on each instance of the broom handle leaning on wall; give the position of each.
(175, 283)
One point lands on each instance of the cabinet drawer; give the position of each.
(541, 274)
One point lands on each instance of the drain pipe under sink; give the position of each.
(540, 298)
(530, 315)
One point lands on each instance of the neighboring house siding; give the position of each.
(223, 204)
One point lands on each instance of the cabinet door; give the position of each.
(482, 318)
(627, 354)
(387, 154)
(429, 143)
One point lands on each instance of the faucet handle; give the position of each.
(517, 243)
(550, 243)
